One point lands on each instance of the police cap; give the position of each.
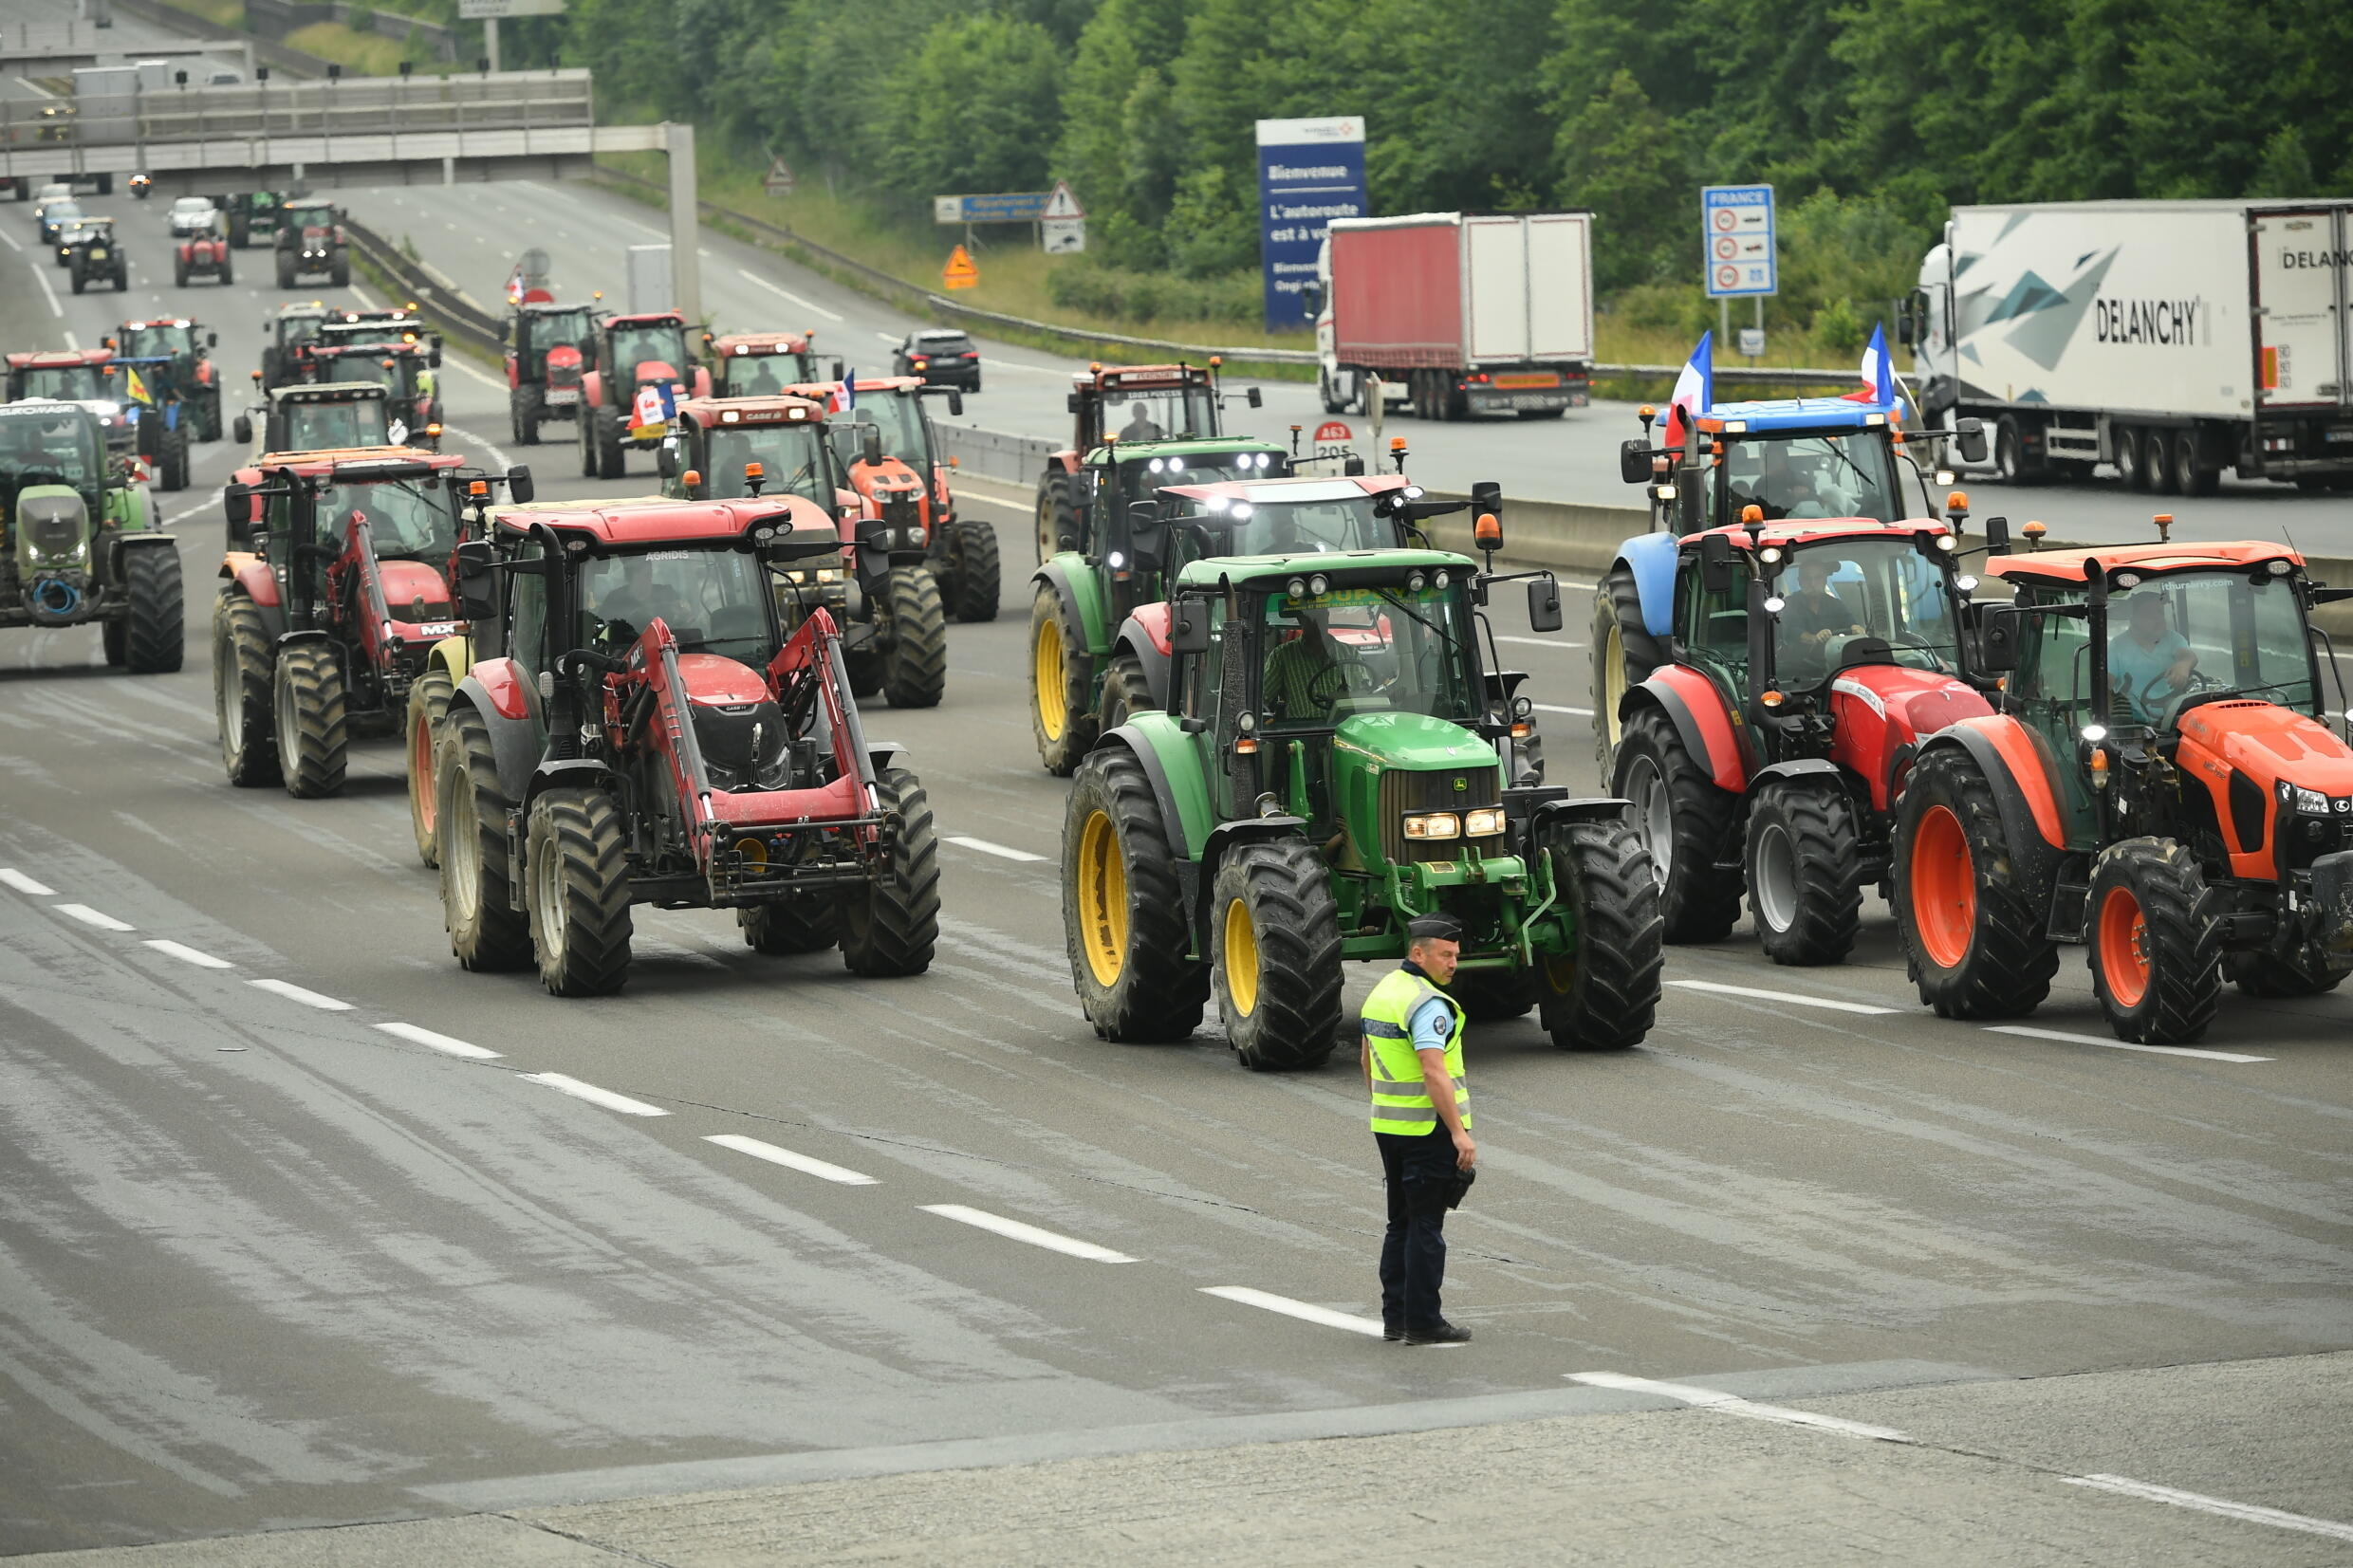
(1434, 927)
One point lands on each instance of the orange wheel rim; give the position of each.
(2125, 946)
(1944, 887)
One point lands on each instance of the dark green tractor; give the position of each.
(1325, 772)
(80, 541)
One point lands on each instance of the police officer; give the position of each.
(1421, 1120)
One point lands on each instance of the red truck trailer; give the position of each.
(1471, 315)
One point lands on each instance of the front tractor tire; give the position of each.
(314, 734)
(1623, 655)
(242, 684)
(1603, 996)
(1976, 937)
(1274, 955)
(1061, 710)
(1802, 863)
(1053, 515)
(577, 861)
(1122, 916)
(978, 577)
(1126, 691)
(1686, 824)
(2155, 942)
(914, 653)
(154, 623)
(429, 701)
(890, 927)
(486, 932)
(612, 457)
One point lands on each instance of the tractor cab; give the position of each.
(549, 345)
(1125, 406)
(79, 541)
(404, 369)
(54, 445)
(651, 347)
(62, 374)
(1299, 515)
(292, 327)
(313, 518)
(725, 449)
(753, 364)
(325, 417)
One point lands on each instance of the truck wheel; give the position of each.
(914, 656)
(804, 923)
(1685, 822)
(890, 927)
(1623, 655)
(1323, 392)
(2155, 942)
(1274, 955)
(242, 681)
(314, 734)
(2130, 465)
(429, 700)
(485, 933)
(522, 406)
(1605, 995)
(2191, 474)
(1801, 857)
(1062, 709)
(1490, 996)
(153, 633)
(1124, 692)
(1123, 919)
(977, 584)
(612, 461)
(1975, 936)
(1057, 529)
(578, 862)
(2303, 972)
(2156, 461)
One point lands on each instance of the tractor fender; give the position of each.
(137, 507)
(1583, 808)
(884, 755)
(1145, 635)
(2024, 780)
(120, 544)
(1173, 765)
(1083, 594)
(1223, 840)
(494, 689)
(452, 656)
(1651, 558)
(592, 388)
(1701, 718)
(1796, 768)
(564, 771)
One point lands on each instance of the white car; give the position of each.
(194, 216)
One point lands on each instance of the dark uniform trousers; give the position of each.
(1419, 1171)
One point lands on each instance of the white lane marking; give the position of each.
(1540, 642)
(1556, 707)
(1731, 1404)
(1306, 1311)
(593, 1094)
(452, 362)
(188, 955)
(366, 303)
(186, 512)
(486, 445)
(891, 337)
(2118, 1044)
(72, 342)
(806, 1164)
(1798, 997)
(89, 916)
(11, 244)
(986, 848)
(46, 292)
(2251, 1512)
(23, 884)
(1014, 1230)
(297, 993)
(448, 1044)
(450, 226)
(779, 288)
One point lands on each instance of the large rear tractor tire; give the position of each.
(1125, 692)
(242, 687)
(978, 576)
(612, 459)
(1274, 955)
(2155, 942)
(155, 625)
(1062, 709)
(1688, 826)
(1975, 936)
(804, 923)
(578, 862)
(314, 735)
(1054, 522)
(486, 933)
(914, 656)
(429, 701)
(1122, 916)
(172, 460)
(1603, 996)
(891, 925)
(1623, 655)
(1802, 855)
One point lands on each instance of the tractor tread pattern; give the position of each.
(1613, 995)
(1287, 889)
(978, 584)
(1700, 901)
(1125, 692)
(582, 829)
(310, 688)
(240, 641)
(523, 412)
(1162, 992)
(2184, 937)
(1062, 755)
(1826, 846)
(891, 927)
(498, 938)
(2010, 962)
(155, 626)
(914, 662)
(1617, 602)
(804, 923)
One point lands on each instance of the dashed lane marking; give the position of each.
(2253, 1513)
(1015, 1230)
(187, 954)
(593, 1094)
(298, 993)
(1001, 851)
(2063, 1035)
(1731, 1404)
(447, 1044)
(1798, 998)
(1304, 1311)
(89, 916)
(10, 241)
(807, 1165)
(752, 277)
(23, 884)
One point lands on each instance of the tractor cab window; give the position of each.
(47, 447)
(406, 522)
(714, 601)
(317, 427)
(764, 375)
(1365, 651)
(310, 217)
(158, 343)
(905, 433)
(2204, 632)
(1715, 626)
(636, 345)
(1810, 476)
(1169, 413)
(526, 620)
(298, 329)
(373, 369)
(792, 456)
(557, 329)
(64, 382)
(1836, 591)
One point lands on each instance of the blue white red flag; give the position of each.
(656, 402)
(845, 394)
(1695, 390)
(1879, 377)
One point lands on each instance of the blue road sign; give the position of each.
(1309, 172)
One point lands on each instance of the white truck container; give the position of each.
(2172, 338)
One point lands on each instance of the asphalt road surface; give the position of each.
(304, 1226)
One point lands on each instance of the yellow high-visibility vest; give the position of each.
(1402, 1100)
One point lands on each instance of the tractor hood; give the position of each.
(2271, 744)
(406, 582)
(654, 370)
(1883, 710)
(52, 525)
(1414, 741)
(715, 680)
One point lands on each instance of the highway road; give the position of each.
(303, 1226)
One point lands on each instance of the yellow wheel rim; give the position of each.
(1241, 960)
(1558, 972)
(1612, 653)
(1103, 901)
(1045, 672)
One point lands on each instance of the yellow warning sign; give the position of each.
(960, 273)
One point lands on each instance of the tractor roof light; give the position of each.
(2094, 732)
(1243, 510)
(1319, 585)
(2128, 579)
(730, 416)
(2279, 569)
(1770, 555)
(1774, 605)
(1945, 542)
(1297, 587)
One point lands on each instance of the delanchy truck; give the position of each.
(1461, 316)
(2172, 338)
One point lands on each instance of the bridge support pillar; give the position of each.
(686, 267)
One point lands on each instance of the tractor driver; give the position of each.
(764, 380)
(1307, 672)
(1140, 426)
(1814, 614)
(624, 608)
(2146, 662)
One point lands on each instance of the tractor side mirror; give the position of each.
(236, 506)
(1973, 440)
(1999, 636)
(1251, 396)
(1188, 627)
(1715, 564)
(475, 595)
(211, 340)
(1543, 604)
(519, 484)
(1071, 402)
(1634, 461)
(870, 445)
(1997, 535)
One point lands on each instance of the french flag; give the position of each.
(845, 395)
(657, 402)
(1695, 391)
(1879, 376)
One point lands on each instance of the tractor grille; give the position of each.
(1402, 791)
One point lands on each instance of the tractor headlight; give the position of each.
(1433, 824)
(1483, 823)
(2310, 801)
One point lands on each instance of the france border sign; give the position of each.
(1736, 224)
(1309, 172)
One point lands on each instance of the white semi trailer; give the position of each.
(2172, 338)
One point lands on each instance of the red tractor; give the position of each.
(548, 349)
(756, 364)
(311, 242)
(640, 729)
(1177, 402)
(204, 255)
(635, 355)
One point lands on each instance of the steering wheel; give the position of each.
(2171, 701)
(38, 476)
(1336, 674)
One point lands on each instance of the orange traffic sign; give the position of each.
(960, 273)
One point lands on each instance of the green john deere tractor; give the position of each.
(1325, 771)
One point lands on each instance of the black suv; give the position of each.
(944, 358)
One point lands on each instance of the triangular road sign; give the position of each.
(959, 272)
(779, 181)
(1061, 203)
